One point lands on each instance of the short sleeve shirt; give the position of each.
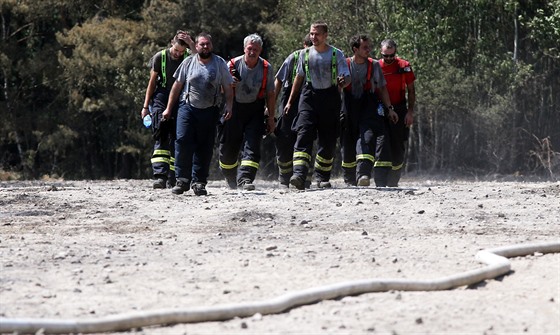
(320, 66)
(171, 66)
(359, 77)
(203, 82)
(398, 75)
(247, 90)
(287, 71)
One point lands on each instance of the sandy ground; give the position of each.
(91, 249)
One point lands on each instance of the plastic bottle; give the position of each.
(380, 110)
(147, 120)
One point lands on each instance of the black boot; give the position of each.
(393, 178)
(380, 176)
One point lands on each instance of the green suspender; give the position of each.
(294, 70)
(163, 63)
(163, 72)
(333, 66)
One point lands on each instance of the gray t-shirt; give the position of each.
(287, 71)
(203, 82)
(320, 66)
(359, 77)
(247, 90)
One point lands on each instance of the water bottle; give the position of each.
(147, 120)
(380, 110)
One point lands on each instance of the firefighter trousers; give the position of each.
(163, 156)
(364, 143)
(285, 138)
(196, 131)
(398, 137)
(245, 128)
(318, 116)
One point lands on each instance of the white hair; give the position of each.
(253, 38)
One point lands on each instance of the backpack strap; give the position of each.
(349, 87)
(367, 85)
(264, 80)
(231, 66)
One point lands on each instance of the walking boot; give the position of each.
(247, 185)
(363, 180)
(180, 187)
(159, 183)
(380, 176)
(324, 184)
(393, 178)
(171, 182)
(231, 183)
(199, 189)
(297, 182)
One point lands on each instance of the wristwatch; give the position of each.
(391, 107)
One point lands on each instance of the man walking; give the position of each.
(163, 66)
(321, 70)
(364, 145)
(253, 90)
(400, 85)
(285, 136)
(200, 80)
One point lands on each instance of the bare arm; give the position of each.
(343, 82)
(228, 91)
(187, 38)
(149, 92)
(173, 97)
(271, 106)
(277, 87)
(298, 81)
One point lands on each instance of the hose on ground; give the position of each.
(495, 259)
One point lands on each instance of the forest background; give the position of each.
(74, 73)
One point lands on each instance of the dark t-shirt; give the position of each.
(171, 66)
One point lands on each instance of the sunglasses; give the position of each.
(388, 56)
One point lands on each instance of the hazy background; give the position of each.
(74, 73)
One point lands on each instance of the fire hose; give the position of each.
(495, 259)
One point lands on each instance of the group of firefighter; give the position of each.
(367, 103)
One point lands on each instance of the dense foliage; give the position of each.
(73, 77)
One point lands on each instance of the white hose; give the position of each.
(495, 259)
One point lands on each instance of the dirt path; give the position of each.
(84, 249)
